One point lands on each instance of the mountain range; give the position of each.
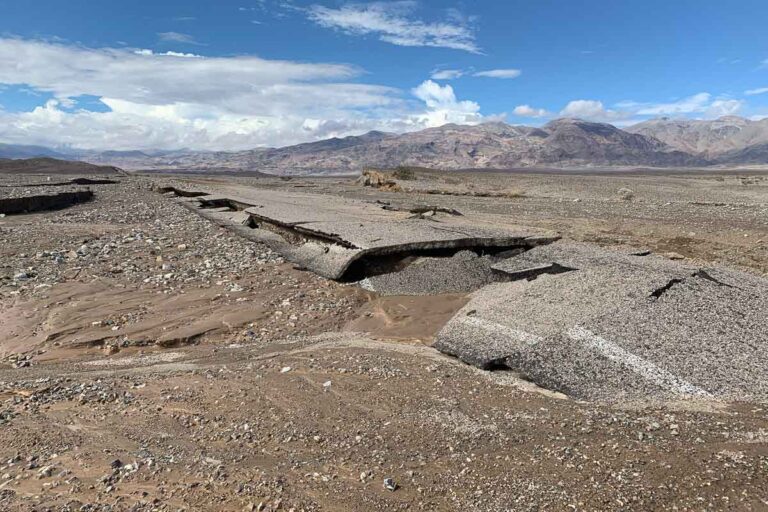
(727, 140)
(664, 142)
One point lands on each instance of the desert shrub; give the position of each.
(404, 173)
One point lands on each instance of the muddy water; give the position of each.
(400, 317)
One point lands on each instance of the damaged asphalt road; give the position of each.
(341, 238)
(603, 325)
(571, 317)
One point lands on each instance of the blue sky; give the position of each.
(242, 74)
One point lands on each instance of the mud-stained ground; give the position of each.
(155, 361)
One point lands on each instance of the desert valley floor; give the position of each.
(177, 342)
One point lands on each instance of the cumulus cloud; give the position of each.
(499, 73)
(528, 111)
(393, 22)
(174, 100)
(754, 92)
(443, 106)
(701, 105)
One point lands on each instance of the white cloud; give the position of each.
(702, 104)
(447, 74)
(145, 51)
(243, 85)
(499, 73)
(173, 100)
(177, 37)
(393, 23)
(753, 92)
(443, 106)
(719, 108)
(451, 74)
(625, 112)
(528, 111)
(591, 110)
(692, 104)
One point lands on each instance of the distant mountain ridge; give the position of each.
(560, 143)
(18, 151)
(564, 142)
(708, 138)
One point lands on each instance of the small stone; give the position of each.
(45, 472)
(389, 484)
(285, 369)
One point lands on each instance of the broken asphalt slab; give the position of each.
(340, 238)
(599, 324)
(43, 202)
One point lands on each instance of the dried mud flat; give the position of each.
(155, 361)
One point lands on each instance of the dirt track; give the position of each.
(264, 410)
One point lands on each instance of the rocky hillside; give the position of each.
(756, 154)
(564, 142)
(53, 166)
(721, 139)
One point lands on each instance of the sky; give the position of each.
(234, 75)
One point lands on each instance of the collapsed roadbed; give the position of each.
(591, 323)
(75, 181)
(600, 324)
(37, 203)
(345, 239)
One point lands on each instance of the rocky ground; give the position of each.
(154, 361)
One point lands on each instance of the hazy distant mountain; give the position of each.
(711, 139)
(20, 151)
(564, 142)
(560, 143)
